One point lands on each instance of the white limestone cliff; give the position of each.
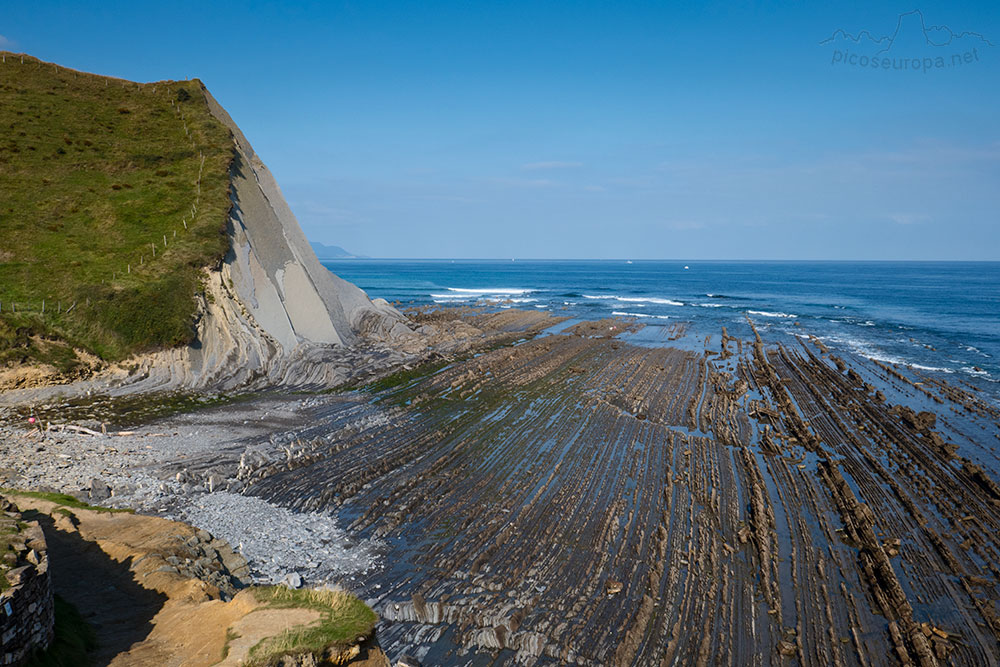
(271, 315)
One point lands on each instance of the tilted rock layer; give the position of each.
(271, 314)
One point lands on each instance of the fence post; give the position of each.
(43, 306)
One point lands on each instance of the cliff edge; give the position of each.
(271, 314)
(181, 266)
(274, 270)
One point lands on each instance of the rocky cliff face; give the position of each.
(271, 313)
(274, 271)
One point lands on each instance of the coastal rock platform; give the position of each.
(569, 496)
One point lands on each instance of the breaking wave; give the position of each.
(765, 313)
(623, 314)
(635, 299)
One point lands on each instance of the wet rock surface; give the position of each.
(576, 499)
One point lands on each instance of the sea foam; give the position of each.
(623, 314)
(489, 290)
(765, 313)
(635, 299)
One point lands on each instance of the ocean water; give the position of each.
(938, 317)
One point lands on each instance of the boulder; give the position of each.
(292, 580)
(99, 489)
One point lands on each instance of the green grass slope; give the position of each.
(113, 196)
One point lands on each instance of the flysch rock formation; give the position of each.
(271, 313)
(275, 272)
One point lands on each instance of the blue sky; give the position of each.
(588, 130)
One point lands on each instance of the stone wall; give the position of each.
(27, 613)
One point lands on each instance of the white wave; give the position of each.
(710, 305)
(489, 290)
(921, 367)
(635, 299)
(491, 297)
(510, 300)
(867, 323)
(765, 313)
(879, 356)
(622, 314)
(864, 349)
(978, 372)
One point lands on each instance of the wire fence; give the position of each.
(158, 243)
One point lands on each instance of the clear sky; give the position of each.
(589, 130)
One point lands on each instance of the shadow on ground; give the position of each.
(118, 609)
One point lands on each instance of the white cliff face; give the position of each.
(275, 272)
(272, 315)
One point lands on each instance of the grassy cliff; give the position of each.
(114, 198)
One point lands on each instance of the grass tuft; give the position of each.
(231, 635)
(63, 499)
(344, 618)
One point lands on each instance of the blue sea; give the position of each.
(938, 317)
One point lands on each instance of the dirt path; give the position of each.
(117, 570)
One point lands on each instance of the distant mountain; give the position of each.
(333, 252)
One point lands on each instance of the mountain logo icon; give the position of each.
(912, 45)
(934, 35)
